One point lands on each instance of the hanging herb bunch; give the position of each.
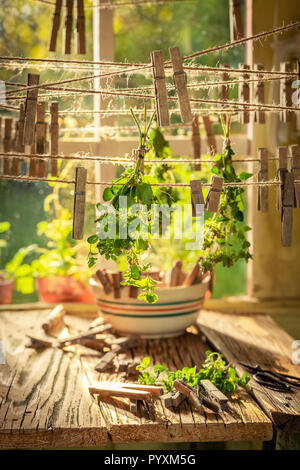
(131, 197)
(224, 238)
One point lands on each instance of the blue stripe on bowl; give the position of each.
(150, 316)
(156, 304)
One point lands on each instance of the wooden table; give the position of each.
(44, 398)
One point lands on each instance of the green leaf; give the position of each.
(107, 194)
(93, 239)
(244, 175)
(135, 272)
(4, 226)
(144, 193)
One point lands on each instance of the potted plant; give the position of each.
(224, 242)
(14, 274)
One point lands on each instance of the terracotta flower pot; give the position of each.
(6, 290)
(59, 289)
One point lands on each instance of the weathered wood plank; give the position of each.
(44, 397)
(257, 340)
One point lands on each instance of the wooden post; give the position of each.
(244, 94)
(180, 84)
(54, 130)
(30, 109)
(260, 115)
(81, 49)
(263, 175)
(79, 203)
(69, 26)
(55, 25)
(161, 93)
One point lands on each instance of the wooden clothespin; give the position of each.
(214, 194)
(260, 115)
(30, 109)
(196, 141)
(263, 175)
(40, 130)
(215, 394)
(235, 19)
(33, 163)
(295, 167)
(7, 144)
(79, 203)
(55, 25)
(177, 276)
(287, 205)
(19, 143)
(193, 275)
(173, 399)
(16, 161)
(69, 26)
(104, 280)
(133, 292)
(197, 400)
(160, 88)
(244, 94)
(115, 278)
(81, 49)
(224, 89)
(282, 154)
(54, 130)
(286, 92)
(180, 81)
(211, 140)
(196, 195)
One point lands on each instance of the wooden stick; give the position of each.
(196, 141)
(197, 198)
(214, 194)
(282, 154)
(287, 209)
(114, 391)
(211, 140)
(79, 203)
(295, 167)
(54, 321)
(7, 144)
(81, 49)
(286, 92)
(30, 109)
(160, 88)
(69, 26)
(244, 94)
(180, 82)
(260, 115)
(54, 130)
(55, 25)
(263, 175)
(215, 394)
